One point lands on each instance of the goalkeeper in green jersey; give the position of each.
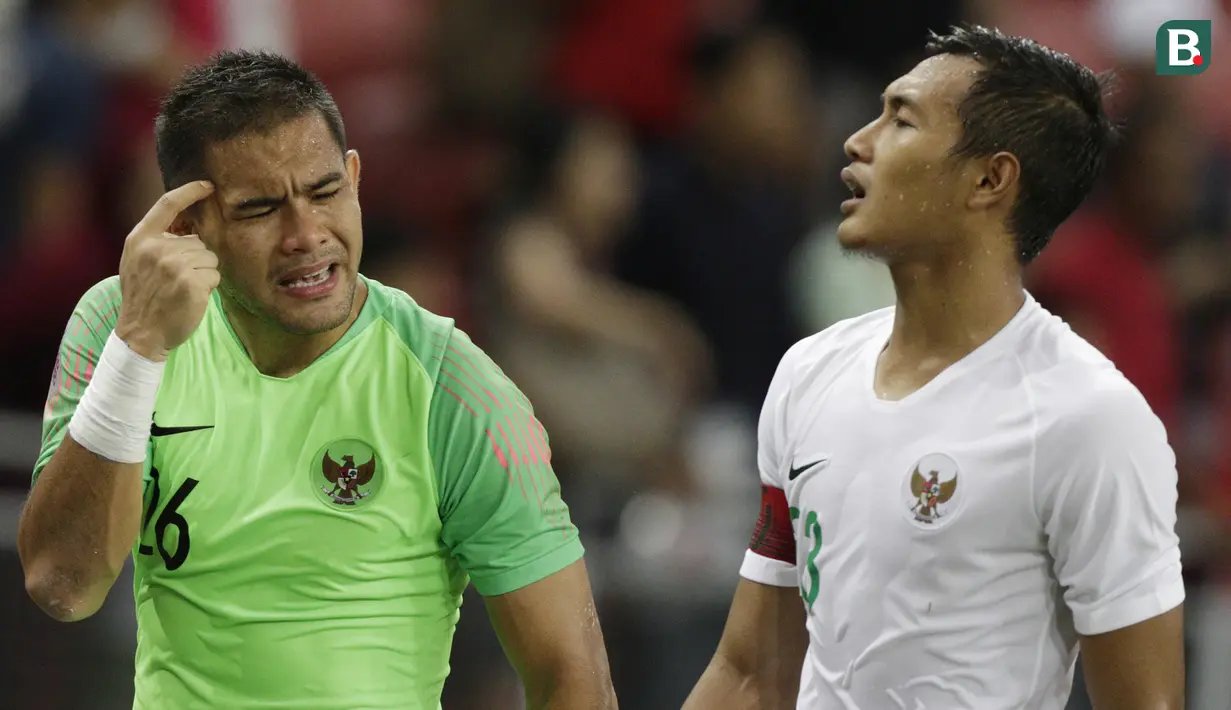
(306, 467)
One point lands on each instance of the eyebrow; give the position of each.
(253, 203)
(332, 177)
(896, 102)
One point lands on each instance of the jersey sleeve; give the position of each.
(1106, 491)
(500, 503)
(770, 558)
(87, 331)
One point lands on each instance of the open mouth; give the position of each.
(853, 184)
(309, 280)
(317, 282)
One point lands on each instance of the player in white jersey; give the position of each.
(963, 491)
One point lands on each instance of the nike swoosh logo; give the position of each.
(797, 471)
(156, 430)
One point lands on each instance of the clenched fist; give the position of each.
(165, 279)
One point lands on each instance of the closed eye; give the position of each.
(326, 196)
(901, 123)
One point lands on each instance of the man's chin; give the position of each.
(313, 324)
(851, 238)
(863, 244)
(313, 317)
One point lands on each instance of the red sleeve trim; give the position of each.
(773, 536)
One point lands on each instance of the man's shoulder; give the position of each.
(97, 310)
(421, 331)
(436, 341)
(1068, 376)
(103, 296)
(1076, 391)
(827, 350)
(1098, 405)
(1089, 418)
(108, 287)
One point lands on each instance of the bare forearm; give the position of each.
(721, 688)
(758, 661)
(552, 638)
(582, 680)
(580, 692)
(77, 529)
(724, 687)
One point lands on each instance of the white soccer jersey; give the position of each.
(950, 546)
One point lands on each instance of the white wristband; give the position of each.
(116, 410)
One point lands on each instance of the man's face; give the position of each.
(286, 225)
(910, 194)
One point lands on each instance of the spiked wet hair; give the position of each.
(1044, 108)
(235, 92)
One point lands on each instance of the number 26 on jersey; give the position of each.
(169, 519)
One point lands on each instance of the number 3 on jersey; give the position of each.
(169, 518)
(810, 581)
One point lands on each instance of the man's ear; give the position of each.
(188, 221)
(997, 181)
(195, 219)
(183, 226)
(352, 169)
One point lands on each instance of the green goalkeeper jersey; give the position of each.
(306, 541)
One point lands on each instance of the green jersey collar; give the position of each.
(376, 303)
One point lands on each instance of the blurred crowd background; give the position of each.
(630, 204)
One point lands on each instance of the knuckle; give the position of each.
(135, 242)
(146, 249)
(169, 266)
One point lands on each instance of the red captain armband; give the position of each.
(773, 536)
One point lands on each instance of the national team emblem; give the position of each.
(932, 490)
(346, 473)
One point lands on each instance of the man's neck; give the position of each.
(277, 353)
(945, 310)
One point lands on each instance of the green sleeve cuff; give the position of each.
(531, 572)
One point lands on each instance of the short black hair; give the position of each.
(1043, 107)
(233, 93)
